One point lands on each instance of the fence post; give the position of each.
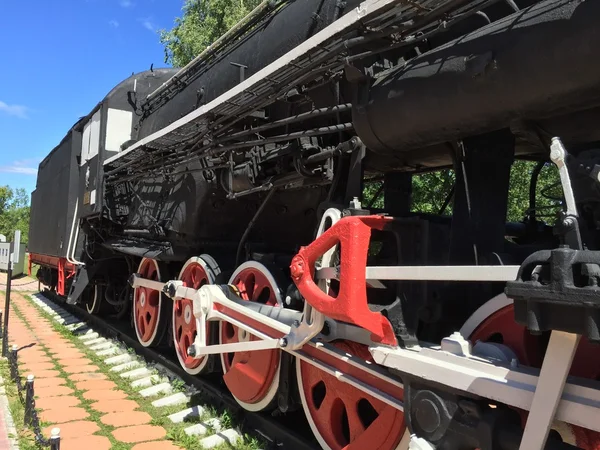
(7, 303)
(1, 328)
(14, 368)
(29, 400)
(55, 439)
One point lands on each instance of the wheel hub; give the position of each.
(188, 314)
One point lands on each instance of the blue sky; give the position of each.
(58, 60)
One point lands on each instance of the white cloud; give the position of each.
(126, 3)
(148, 24)
(113, 23)
(19, 111)
(24, 166)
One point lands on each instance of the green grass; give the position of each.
(24, 435)
(175, 432)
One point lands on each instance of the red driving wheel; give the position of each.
(343, 417)
(195, 273)
(149, 306)
(499, 326)
(252, 377)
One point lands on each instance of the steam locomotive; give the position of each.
(221, 208)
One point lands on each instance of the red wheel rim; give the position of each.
(147, 304)
(184, 323)
(345, 417)
(501, 327)
(250, 376)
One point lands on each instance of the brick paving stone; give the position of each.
(108, 406)
(52, 402)
(45, 382)
(46, 374)
(81, 369)
(30, 357)
(38, 360)
(79, 361)
(104, 394)
(139, 433)
(75, 429)
(87, 442)
(124, 419)
(69, 353)
(52, 391)
(87, 376)
(36, 367)
(156, 445)
(95, 384)
(55, 340)
(63, 414)
(62, 348)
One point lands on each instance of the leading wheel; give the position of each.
(195, 273)
(342, 416)
(251, 377)
(151, 311)
(494, 322)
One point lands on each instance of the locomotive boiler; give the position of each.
(221, 208)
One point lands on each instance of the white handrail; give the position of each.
(70, 258)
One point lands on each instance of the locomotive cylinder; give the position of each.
(531, 65)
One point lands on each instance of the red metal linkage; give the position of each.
(350, 305)
(60, 288)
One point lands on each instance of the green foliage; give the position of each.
(431, 190)
(203, 22)
(548, 192)
(14, 212)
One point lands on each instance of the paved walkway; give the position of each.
(73, 394)
(22, 283)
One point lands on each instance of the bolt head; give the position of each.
(297, 268)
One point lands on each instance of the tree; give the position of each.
(203, 22)
(14, 212)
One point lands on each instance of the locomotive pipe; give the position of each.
(530, 65)
(285, 137)
(289, 120)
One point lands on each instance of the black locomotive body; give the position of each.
(232, 165)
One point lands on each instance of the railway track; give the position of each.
(275, 430)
